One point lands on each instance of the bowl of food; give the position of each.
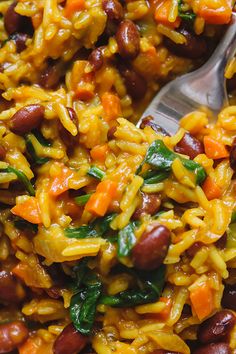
(115, 239)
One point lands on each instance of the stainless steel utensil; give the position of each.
(204, 87)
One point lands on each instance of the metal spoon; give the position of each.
(204, 87)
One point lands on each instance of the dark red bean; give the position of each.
(190, 146)
(15, 22)
(221, 243)
(96, 58)
(51, 76)
(151, 249)
(232, 156)
(70, 341)
(20, 41)
(12, 335)
(217, 327)
(113, 9)
(214, 348)
(111, 132)
(54, 292)
(11, 289)
(27, 119)
(194, 48)
(150, 122)
(66, 137)
(229, 297)
(192, 250)
(135, 84)
(128, 39)
(150, 204)
(2, 153)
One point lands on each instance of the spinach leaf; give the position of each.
(96, 172)
(161, 159)
(82, 199)
(31, 150)
(126, 239)
(39, 136)
(233, 217)
(96, 229)
(156, 177)
(186, 16)
(83, 304)
(151, 285)
(22, 177)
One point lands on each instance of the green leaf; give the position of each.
(31, 150)
(186, 16)
(161, 159)
(22, 177)
(82, 199)
(150, 290)
(96, 172)
(96, 229)
(83, 305)
(233, 217)
(126, 239)
(156, 177)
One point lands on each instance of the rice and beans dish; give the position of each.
(113, 239)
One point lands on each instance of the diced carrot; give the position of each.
(60, 183)
(33, 276)
(162, 12)
(109, 187)
(29, 347)
(111, 106)
(73, 6)
(164, 314)
(36, 345)
(37, 19)
(28, 210)
(211, 189)
(99, 152)
(214, 149)
(202, 300)
(98, 203)
(216, 12)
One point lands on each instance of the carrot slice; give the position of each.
(216, 12)
(211, 189)
(214, 149)
(61, 183)
(162, 13)
(111, 106)
(98, 203)
(109, 187)
(28, 210)
(202, 300)
(99, 152)
(73, 6)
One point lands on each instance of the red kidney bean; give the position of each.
(2, 153)
(66, 137)
(151, 249)
(27, 119)
(221, 243)
(53, 292)
(11, 289)
(113, 9)
(192, 250)
(150, 204)
(232, 156)
(20, 39)
(128, 39)
(214, 348)
(229, 297)
(150, 122)
(96, 58)
(70, 341)
(52, 75)
(15, 22)
(12, 335)
(217, 327)
(194, 48)
(135, 84)
(190, 146)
